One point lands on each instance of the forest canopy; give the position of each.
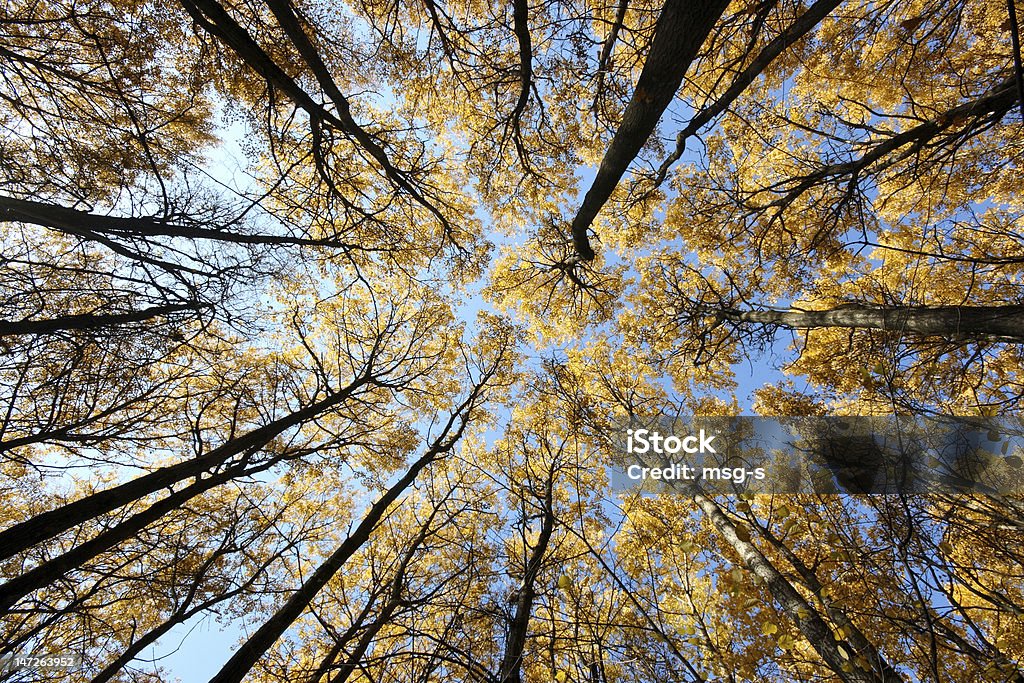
(319, 322)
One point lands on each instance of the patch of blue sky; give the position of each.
(192, 651)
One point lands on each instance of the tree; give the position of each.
(681, 30)
(262, 399)
(998, 322)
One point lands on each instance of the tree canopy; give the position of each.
(320, 321)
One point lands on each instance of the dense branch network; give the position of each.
(274, 402)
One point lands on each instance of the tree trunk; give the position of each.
(836, 653)
(236, 668)
(511, 667)
(952, 322)
(15, 589)
(87, 225)
(44, 526)
(681, 30)
(860, 642)
(394, 601)
(214, 18)
(782, 42)
(93, 321)
(183, 613)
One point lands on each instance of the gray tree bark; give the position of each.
(952, 322)
(836, 652)
(681, 30)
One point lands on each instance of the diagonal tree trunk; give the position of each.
(923, 139)
(188, 609)
(395, 599)
(53, 569)
(94, 321)
(212, 17)
(45, 526)
(794, 32)
(681, 30)
(85, 224)
(236, 668)
(857, 638)
(835, 652)
(264, 638)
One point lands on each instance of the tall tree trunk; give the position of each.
(394, 600)
(247, 655)
(511, 667)
(943, 130)
(215, 19)
(88, 225)
(952, 322)
(94, 321)
(782, 42)
(45, 526)
(836, 653)
(185, 611)
(682, 28)
(236, 668)
(53, 569)
(860, 642)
